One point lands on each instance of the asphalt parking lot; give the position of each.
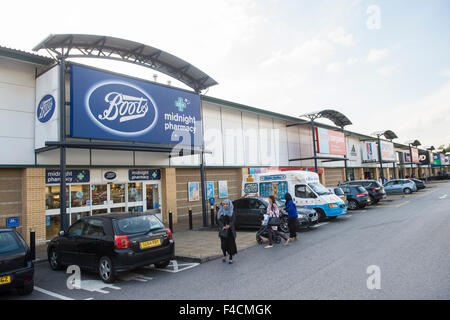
(406, 237)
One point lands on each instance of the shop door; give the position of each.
(107, 198)
(152, 201)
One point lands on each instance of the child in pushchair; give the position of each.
(263, 231)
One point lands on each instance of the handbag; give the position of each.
(274, 221)
(223, 233)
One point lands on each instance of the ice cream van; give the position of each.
(304, 186)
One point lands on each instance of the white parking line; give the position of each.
(443, 197)
(402, 203)
(52, 294)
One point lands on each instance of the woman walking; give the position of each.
(292, 217)
(227, 231)
(274, 212)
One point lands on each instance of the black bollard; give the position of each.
(33, 244)
(212, 216)
(170, 221)
(190, 218)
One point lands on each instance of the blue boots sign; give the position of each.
(114, 107)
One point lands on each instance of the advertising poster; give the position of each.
(387, 151)
(407, 157)
(369, 151)
(194, 191)
(223, 189)
(415, 155)
(330, 142)
(209, 189)
(424, 157)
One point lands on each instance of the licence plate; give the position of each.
(150, 243)
(344, 198)
(5, 280)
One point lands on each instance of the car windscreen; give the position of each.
(319, 189)
(9, 243)
(138, 224)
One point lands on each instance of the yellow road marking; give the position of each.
(401, 204)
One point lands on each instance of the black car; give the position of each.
(419, 183)
(357, 196)
(373, 187)
(249, 212)
(16, 265)
(113, 243)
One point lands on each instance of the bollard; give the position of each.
(170, 221)
(190, 218)
(33, 244)
(212, 216)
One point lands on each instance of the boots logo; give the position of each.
(121, 108)
(46, 108)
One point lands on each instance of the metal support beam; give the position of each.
(62, 138)
(380, 159)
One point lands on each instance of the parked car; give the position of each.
(419, 183)
(340, 193)
(357, 196)
(375, 189)
(405, 186)
(16, 265)
(111, 244)
(249, 212)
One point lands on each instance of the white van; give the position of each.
(304, 186)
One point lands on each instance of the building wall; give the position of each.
(183, 176)
(333, 176)
(11, 196)
(17, 100)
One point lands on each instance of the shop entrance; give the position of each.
(107, 198)
(152, 201)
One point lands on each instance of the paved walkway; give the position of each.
(199, 245)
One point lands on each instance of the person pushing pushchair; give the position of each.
(268, 229)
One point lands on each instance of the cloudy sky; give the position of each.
(384, 64)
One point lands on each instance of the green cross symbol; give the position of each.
(154, 174)
(180, 104)
(80, 176)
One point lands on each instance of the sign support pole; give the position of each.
(380, 159)
(62, 138)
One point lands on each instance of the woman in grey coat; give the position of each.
(227, 230)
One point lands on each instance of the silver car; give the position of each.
(405, 186)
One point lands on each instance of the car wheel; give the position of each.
(407, 191)
(284, 224)
(320, 215)
(106, 270)
(27, 289)
(162, 265)
(352, 205)
(53, 259)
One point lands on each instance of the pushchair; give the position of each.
(264, 233)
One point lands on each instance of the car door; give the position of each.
(256, 210)
(241, 207)
(68, 244)
(89, 242)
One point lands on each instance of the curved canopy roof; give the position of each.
(338, 118)
(93, 46)
(388, 134)
(415, 143)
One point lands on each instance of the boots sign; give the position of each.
(114, 107)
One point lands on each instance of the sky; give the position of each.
(384, 64)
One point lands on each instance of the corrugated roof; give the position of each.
(25, 56)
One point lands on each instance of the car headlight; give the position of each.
(332, 205)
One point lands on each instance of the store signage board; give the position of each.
(330, 142)
(369, 152)
(113, 107)
(415, 155)
(46, 120)
(12, 222)
(424, 157)
(436, 159)
(53, 176)
(144, 174)
(387, 151)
